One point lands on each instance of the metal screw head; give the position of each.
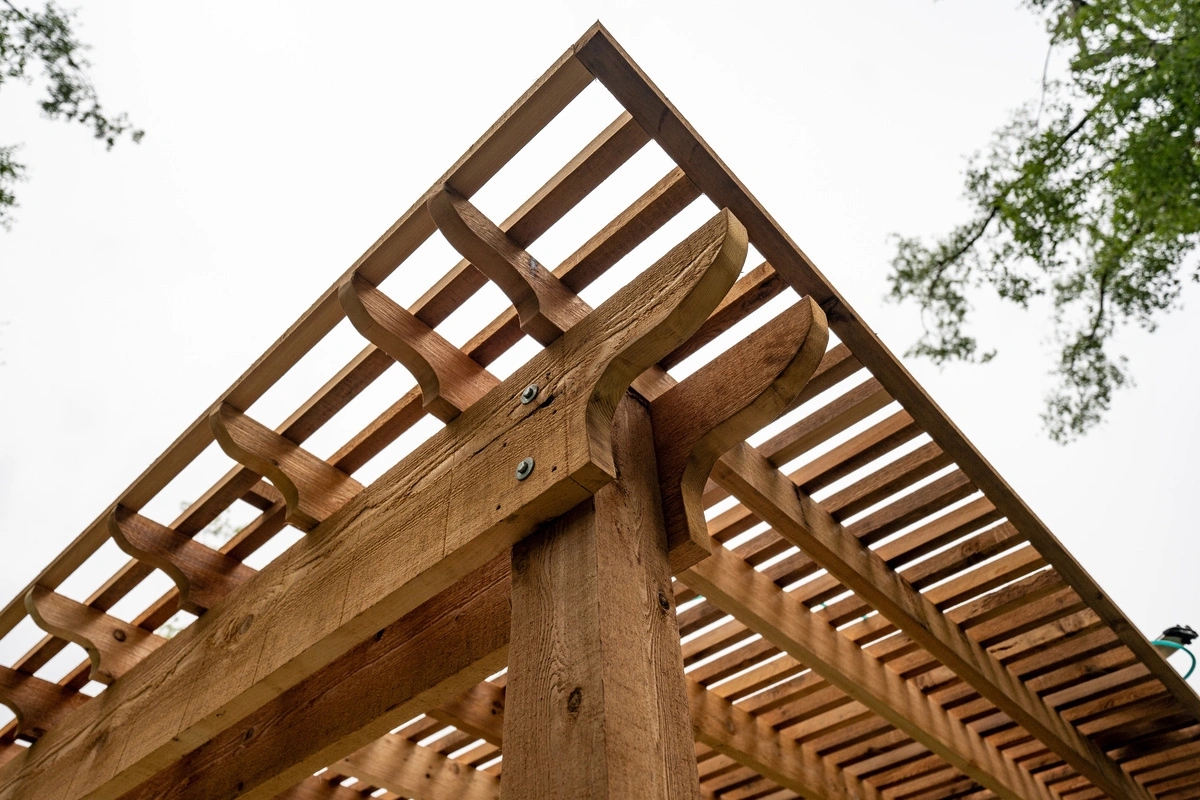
(524, 469)
(119, 634)
(530, 394)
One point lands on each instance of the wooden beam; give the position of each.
(428, 657)
(312, 488)
(450, 380)
(266, 640)
(735, 395)
(548, 96)
(546, 308)
(775, 499)
(771, 612)
(595, 702)
(393, 762)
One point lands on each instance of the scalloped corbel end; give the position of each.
(689, 282)
(450, 380)
(113, 645)
(203, 575)
(312, 488)
(721, 404)
(545, 308)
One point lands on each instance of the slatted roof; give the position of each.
(881, 615)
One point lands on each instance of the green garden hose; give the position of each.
(1178, 646)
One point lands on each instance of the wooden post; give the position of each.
(596, 704)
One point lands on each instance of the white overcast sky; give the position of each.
(282, 139)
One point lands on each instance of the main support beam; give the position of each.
(423, 660)
(446, 509)
(751, 596)
(596, 699)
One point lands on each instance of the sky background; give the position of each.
(283, 139)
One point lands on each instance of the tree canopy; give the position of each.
(43, 43)
(1089, 196)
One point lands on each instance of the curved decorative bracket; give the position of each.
(545, 308)
(38, 704)
(204, 576)
(728, 399)
(113, 645)
(450, 380)
(312, 488)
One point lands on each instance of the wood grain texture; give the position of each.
(777, 616)
(38, 704)
(721, 404)
(424, 524)
(312, 488)
(770, 495)
(393, 762)
(430, 656)
(203, 576)
(450, 380)
(729, 730)
(113, 645)
(595, 702)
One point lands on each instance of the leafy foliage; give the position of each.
(1091, 198)
(31, 39)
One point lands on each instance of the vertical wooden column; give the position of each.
(596, 705)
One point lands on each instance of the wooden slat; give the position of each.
(202, 575)
(728, 729)
(779, 617)
(313, 489)
(38, 704)
(392, 762)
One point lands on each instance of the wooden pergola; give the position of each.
(588, 569)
